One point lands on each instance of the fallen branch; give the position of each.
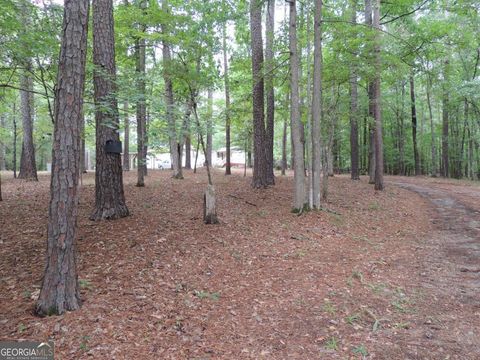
(246, 201)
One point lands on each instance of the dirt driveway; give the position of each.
(451, 269)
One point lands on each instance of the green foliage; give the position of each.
(417, 38)
(332, 344)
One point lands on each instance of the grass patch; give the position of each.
(360, 350)
(329, 308)
(353, 318)
(206, 295)
(332, 344)
(85, 284)
(374, 206)
(356, 275)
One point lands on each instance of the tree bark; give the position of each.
(401, 140)
(3, 152)
(210, 126)
(172, 132)
(28, 167)
(354, 154)
(269, 66)
(260, 162)
(141, 103)
(15, 136)
(188, 148)
(317, 107)
(109, 194)
(414, 125)
(371, 143)
(126, 137)
(83, 168)
(186, 136)
(228, 170)
(299, 198)
(284, 139)
(379, 185)
(371, 106)
(445, 123)
(60, 290)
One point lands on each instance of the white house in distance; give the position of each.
(162, 161)
(237, 157)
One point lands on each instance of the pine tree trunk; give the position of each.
(299, 198)
(145, 142)
(126, 137)
(317, 107)
(210, 126)
(228, 170)
(28, 167)
(126, 125)
(364, 150)
(269, 66)
(284, 140)
(172, 132)
(83, 168)
(401, 136)
(354, 155)
(3, 152)
(15, 136)
(141, 104)
(188, 152)
(379, 185)
(60, 291)
(260, 162)
(109, 194)
(414, 125)
(445, 124)
(371, 106)
(186, 135)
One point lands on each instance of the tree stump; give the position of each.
(209, 207)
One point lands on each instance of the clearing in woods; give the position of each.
(390, 275)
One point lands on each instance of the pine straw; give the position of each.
(265, 283)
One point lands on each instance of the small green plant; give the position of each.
(236, 255)
(353, 318)
(85, 284)
(401, 325)
(361, 350)
(374, 206)
(27, 294)
(300, 253)
(332, 344)
(356, 275)
(400, 305)
(329, 308)
(377, 288)
(206, 295)
(262, 213)
(22, 327)
(179, 325)
(84, 343)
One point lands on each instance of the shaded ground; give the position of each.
(367, 277)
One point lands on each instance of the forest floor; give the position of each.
(378, 275)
